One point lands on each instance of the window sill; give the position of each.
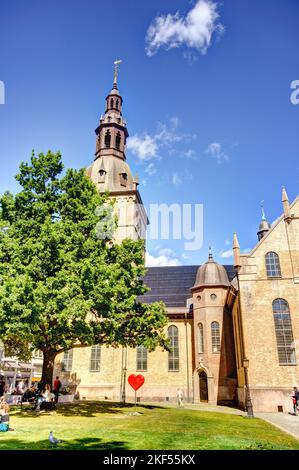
(288, 364)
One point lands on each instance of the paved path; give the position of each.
(285, 421)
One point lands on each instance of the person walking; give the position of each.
(180, 398)
(56, 388)
(295, 399)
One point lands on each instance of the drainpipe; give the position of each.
(124, 374)
(187, 358)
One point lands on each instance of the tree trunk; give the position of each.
(48, 367)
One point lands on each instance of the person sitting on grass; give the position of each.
(4, 417)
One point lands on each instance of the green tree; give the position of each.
(62, 287)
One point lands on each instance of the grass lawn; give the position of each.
(108, 426)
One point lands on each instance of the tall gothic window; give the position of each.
(117, 103)
(284, 332)
(141, 358)
(108, 139)
(95, 358)
(200, 338)
(68, 360)
(215, 331)
(273, 265)
(117, 141)
(111, 103)
(173, 355)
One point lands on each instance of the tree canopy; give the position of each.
(60, 285)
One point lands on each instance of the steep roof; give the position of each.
(172, 284)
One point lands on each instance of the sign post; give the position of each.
(136, 381)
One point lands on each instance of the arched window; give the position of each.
(141, 358)
(284, 332)
(117, 103)
(117, 141)
(95, 358)
(273, 265)
(67, 363)
(111, 103)
(200, 338)
(215, 330)
(107, 139)
(173, 355)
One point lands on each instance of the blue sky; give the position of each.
(206, 97)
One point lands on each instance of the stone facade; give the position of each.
(223, 316)
(270, 380)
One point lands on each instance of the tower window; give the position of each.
(284, 332)
(141, 358)
(95, 358)
(117, 103)
(111, 103)
(102, 174)
(215, 331)
(123, 179)
(108, 139)
(273, 265)
(117, 141)
(173, 355)
(200, 338)
(67, 363)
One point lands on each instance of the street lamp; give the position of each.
(248, 401)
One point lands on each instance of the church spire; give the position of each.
(112, 132)
(286, 205)
(264, 226)
(236, 252)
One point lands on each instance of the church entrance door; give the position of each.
(203, 387)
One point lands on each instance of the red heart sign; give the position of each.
(136, 381)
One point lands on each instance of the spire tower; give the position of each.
(264, 226)
(111, 173)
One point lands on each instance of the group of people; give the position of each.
(35, 394)
(42, 393)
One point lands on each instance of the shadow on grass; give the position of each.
(75, 444)
(85, 409)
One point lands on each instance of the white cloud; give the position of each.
(215, 151)
(176, 180)
(226, 254)
(162, 259)
(150, 169)
(190, 154)
(194, 30)
(145, 148)
(148, 147)
(167, 252)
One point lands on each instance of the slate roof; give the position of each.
(172, 284)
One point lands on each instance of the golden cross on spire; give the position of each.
(116, 66)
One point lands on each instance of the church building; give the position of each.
(234, 329)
